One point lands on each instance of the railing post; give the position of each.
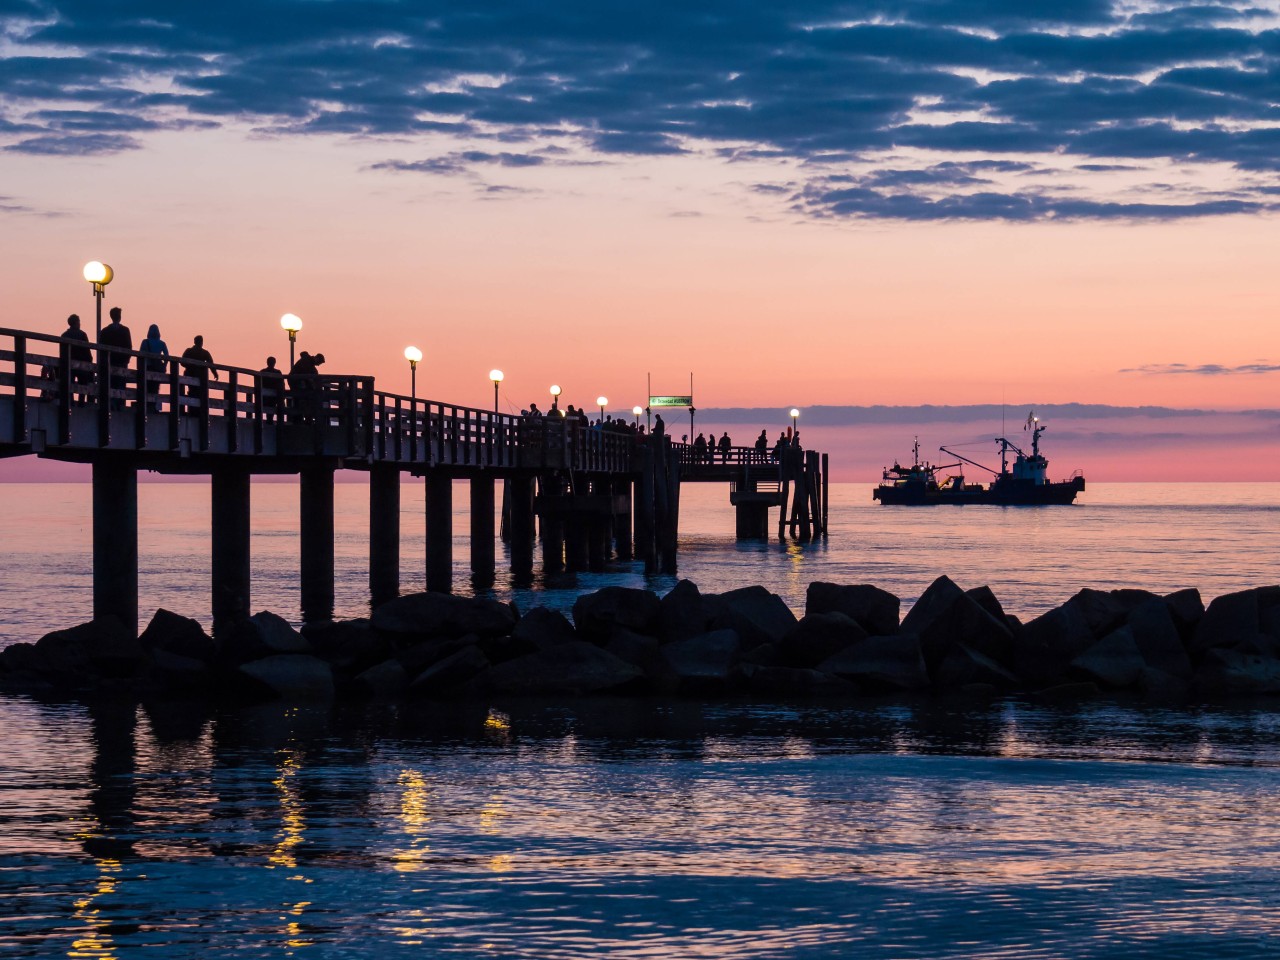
(413, 430)
(259, 410)
(104, 397)
(175, 404)
(231, 411)
(65, 391)
(19, 388)
(140, 405)
(202, 390)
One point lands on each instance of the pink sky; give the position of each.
(592, 268)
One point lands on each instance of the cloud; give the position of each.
(856, 85)
(461, 161)
(1204, 369)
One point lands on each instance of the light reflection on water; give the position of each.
(641, 829)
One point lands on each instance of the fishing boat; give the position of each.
(1026, 484)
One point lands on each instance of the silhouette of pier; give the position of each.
(586, 492)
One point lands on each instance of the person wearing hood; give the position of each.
(156, 351)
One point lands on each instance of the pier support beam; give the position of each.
(115, 540)
(384, 533)
(229, 539)
(439, 532)
(315, 491)
(522, 527)
(482, 541)
(622, 520)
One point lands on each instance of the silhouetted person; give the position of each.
(699, 449)
(271, 387)
(81, 359)
(157, 352)
(197, 369)
(659, 426)
(780, 448)
(116, 334)
(762, 445)
(534, 411)
(725, 446)
(304, 382)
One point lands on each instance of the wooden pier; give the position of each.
(588, 493)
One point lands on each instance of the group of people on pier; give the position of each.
(302, 380)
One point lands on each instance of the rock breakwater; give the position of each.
(851, 641)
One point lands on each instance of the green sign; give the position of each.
(671, 401)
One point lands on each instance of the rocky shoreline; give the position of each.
(852, 641)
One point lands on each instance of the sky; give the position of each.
(813, 204)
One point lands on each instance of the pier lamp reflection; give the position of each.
(291, 323)
(99, 274)
(496, 377)
(555, 396)
(413, 355)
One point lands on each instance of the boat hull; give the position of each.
(1003, 492)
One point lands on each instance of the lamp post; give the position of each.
(601, 403)
(496, 377)
(291, 324)
(795, 416)
(635, 412)
(99, 274)
(413, 355)
(555, 396)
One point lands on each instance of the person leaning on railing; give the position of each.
(80, 358)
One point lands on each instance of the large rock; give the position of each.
(351, 646)
(102, 648)
(946, 617)
(597, 614)
(705, 664)
(986, 598)
(818, 636)
(263, 635)
(566, 669)
(684, 612)
(881, 663)
(178, 635)
(1158, 639)
(1187, 609)
(755, 614)
(1234, 620)
(449, 676)
(418, 657)
(424, 616)
(382, 681)
(1104, 610)
(290, 676)
(875, 610)
(965, 667)
(1114, 661)
(1227, 671)
(541, 628)
(1048, 644)
(645, 653)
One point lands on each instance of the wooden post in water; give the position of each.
(315, 493)
(384, 533)
(482, 541)
(229, 539)
(552, 523)
(621, 490)
(644, 508)
(826, 492)
(522, 526)
(115, 539)
(439, 531)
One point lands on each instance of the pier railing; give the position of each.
(79, 395)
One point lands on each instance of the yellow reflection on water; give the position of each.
(96, 941)
(414, 819)
(292, 820)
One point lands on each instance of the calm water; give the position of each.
(641, 830)
(650, 829)
(1217, 537)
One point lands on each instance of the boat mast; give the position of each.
(915, 451)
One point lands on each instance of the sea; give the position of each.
(937, 827)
